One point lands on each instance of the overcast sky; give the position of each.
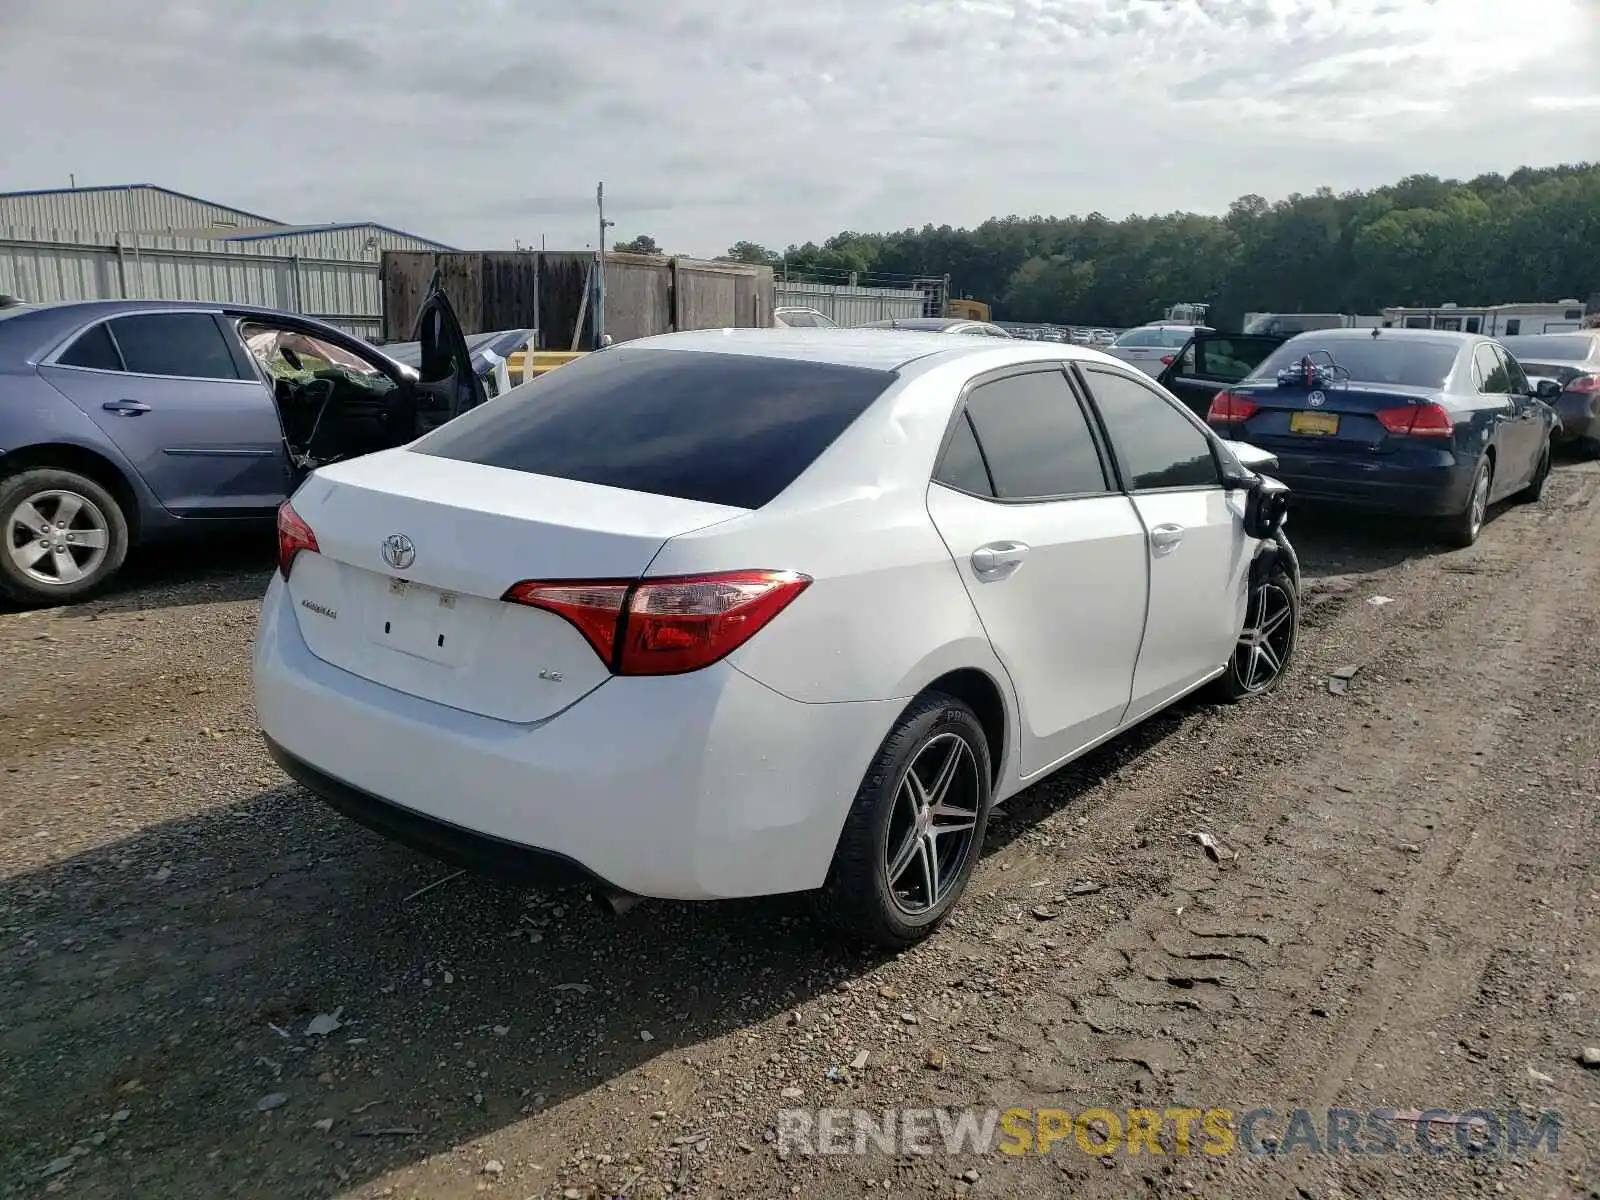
(484, 121)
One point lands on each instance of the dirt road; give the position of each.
(1404, 914)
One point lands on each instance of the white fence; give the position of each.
(343, 293)
(851, 306)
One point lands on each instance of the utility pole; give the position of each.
(600, 268)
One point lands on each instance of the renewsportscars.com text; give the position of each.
(1167, 1131)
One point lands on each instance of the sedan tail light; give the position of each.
(1166, 360)
(1418, 420)
(670, 625)
(294, 535)
(1588, 384)
(1229, 408)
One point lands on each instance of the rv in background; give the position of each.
(1495, 320)
(1289, 324)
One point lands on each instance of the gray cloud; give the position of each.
(717, 120)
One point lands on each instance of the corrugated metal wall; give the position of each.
(851, 306)
(95, 214)
(345, 294)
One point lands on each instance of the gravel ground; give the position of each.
(1405, 912)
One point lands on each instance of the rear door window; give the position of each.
(730, 429)
(1035, 438)
(1489, 370)
(186, 345)
(93, 350)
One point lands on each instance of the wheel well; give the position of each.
(85, 462)
(981, 694)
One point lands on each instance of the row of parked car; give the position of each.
(738, 612)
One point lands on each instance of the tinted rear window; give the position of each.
(1552, 347)
(1400, 362)
(728, 429)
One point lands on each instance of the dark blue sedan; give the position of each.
(123, 422)
(1420, 423)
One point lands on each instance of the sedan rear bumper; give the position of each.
(1435, 489)
(699, 786)
(1578, 416)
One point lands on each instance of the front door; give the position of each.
(448, 383)
(1211, 362)
(1194, 536)
(1052, 556)
(169, 393)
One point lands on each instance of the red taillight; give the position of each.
(294, 535)
(1585, 383)
(1227, 408)
(1417, 420)
(1166, 360)
(666, 626)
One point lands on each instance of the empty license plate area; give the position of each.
(1321, 424)
(421, 621)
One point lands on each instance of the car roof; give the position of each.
(873, 349)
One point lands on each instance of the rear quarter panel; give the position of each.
(33, 414)
(887, 612)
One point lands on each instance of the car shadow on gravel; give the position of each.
(1332, 542)
(155, 1005)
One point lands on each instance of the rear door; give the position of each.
(1211, 362)
(1521, 439)
(1051, 554)
(1194, 537)
(166, 388)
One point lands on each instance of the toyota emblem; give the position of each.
(1316, 400)
(398, 551)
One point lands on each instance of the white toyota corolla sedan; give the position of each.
(740, 612)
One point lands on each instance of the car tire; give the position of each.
(1462, 530)
(1589, 447)
(94, 540)
(1535, 489)
(877, 890)
(1267, 641)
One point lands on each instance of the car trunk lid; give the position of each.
(1342, 419)
(1562, 373)
(414, 555)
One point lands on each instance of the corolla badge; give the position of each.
(1316, 399)
(398, 551)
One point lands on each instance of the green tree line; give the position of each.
(1530, 235)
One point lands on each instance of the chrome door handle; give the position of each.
(1166, 537)
(125, 408)
(998, 560)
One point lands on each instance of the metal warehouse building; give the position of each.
(141, 241)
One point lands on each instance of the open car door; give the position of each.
(1211, 362)
(447, 383)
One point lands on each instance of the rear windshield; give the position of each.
(1399, 362)
(1555, 347)
(1167, 338)
(731, 429)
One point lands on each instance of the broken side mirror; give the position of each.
(1266, 507)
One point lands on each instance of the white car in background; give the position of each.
(801, 318)
(1152, 348)
(736, 612)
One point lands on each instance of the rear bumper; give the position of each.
(700, 786)
(1434, 488)
(1578, 417)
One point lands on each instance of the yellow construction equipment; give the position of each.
(525, 364)
(967, 310)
